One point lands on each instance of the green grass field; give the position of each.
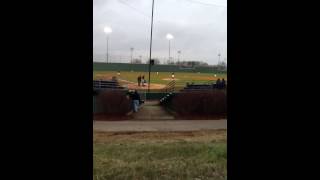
(181, 77)
(178, 156)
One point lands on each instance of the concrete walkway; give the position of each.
(159, 125)
(151, 111)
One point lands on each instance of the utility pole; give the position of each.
(107, 49)
(179, 52)
(150, 46)
(169, 52)
(131, 54)
(107, 30)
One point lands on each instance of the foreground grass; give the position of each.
(193, 155)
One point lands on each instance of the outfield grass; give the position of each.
(161, 156)
(183, 77)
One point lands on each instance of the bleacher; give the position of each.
(99, 85)
(196, 87)
(192, 88)
(201, 87)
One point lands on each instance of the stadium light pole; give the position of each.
(150, 46)
(219, 61)
(107, 30)
(131, 49)
(179, 53)
(169, 37)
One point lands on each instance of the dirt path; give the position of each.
(206, 136)
(160, 125)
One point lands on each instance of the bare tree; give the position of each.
(156, 61)
(136, 61)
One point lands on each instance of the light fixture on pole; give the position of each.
(219, 58)
(169, 37)
(107, 30)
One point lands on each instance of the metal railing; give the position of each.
(169, 87)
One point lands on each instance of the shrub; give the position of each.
(202, 103)
(113, 103)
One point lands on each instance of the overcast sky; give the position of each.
(199, 28)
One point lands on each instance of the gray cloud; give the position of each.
(199, 28)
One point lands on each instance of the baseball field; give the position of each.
(158, 79)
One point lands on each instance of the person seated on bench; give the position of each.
(218, 83)
(223, 84)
